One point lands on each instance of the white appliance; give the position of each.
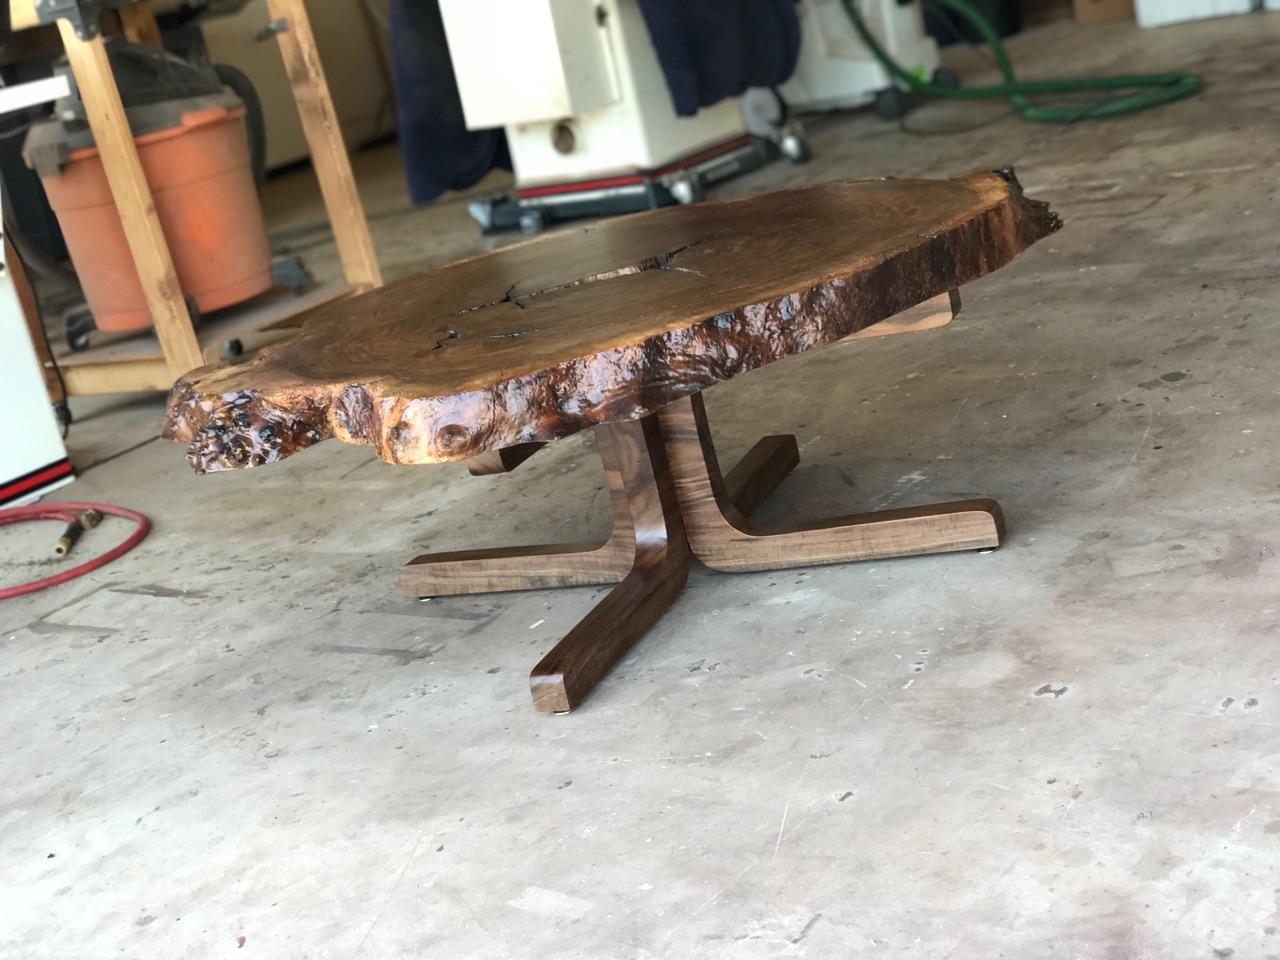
(590, 121)
(33, 460)
(837, 71)
(588, 116)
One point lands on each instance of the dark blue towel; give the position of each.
(713, 49)
(438, 150)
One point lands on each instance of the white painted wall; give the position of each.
(1160, 13)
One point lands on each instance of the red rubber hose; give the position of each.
(66, 512)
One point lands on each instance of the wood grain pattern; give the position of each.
(527, 568)
(324, 138)
(499, 569)
(670, 503)
(772, 458)
(603, 323)
(577, 663)
(761, 469)
(723, 538)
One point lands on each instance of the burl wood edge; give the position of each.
(280, 402)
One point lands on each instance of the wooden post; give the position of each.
(35, 330)
(138, 23)
(22, 14)
(324, 137)
(132, 196)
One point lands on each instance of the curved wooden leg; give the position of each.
(722, 537)
(529, 568)
(635, 451)
(766, 464)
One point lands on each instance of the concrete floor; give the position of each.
(241, 742)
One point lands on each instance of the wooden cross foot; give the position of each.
(635, 461)
(671, 503)
(722, 537)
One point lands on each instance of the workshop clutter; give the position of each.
(191, 142)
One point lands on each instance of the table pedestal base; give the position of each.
(670, 504)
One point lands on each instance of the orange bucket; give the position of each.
(208, 206)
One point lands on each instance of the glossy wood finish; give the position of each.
(534, 567)
(646, 555)
(760, 471)
(618, 327)
(670, 502)
(634, 452)
(500, 569)
(602, 323)
(770, 453)
(723, 538)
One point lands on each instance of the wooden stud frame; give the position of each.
(173, 326)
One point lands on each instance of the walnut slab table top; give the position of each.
(605, 323)
(618, 326)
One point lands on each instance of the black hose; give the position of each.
(255, 121)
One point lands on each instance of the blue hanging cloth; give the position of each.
(714, 49)
(709, 50)
(438, 151)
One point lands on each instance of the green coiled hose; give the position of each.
(1149, 89)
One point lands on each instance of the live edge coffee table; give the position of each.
(618, 327)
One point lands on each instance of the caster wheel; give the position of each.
(763, 113)
(686, 189)
(77, 325)
(795, 148)
(288, 271)
(531, 223)
(891, 103)
(944, 77)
